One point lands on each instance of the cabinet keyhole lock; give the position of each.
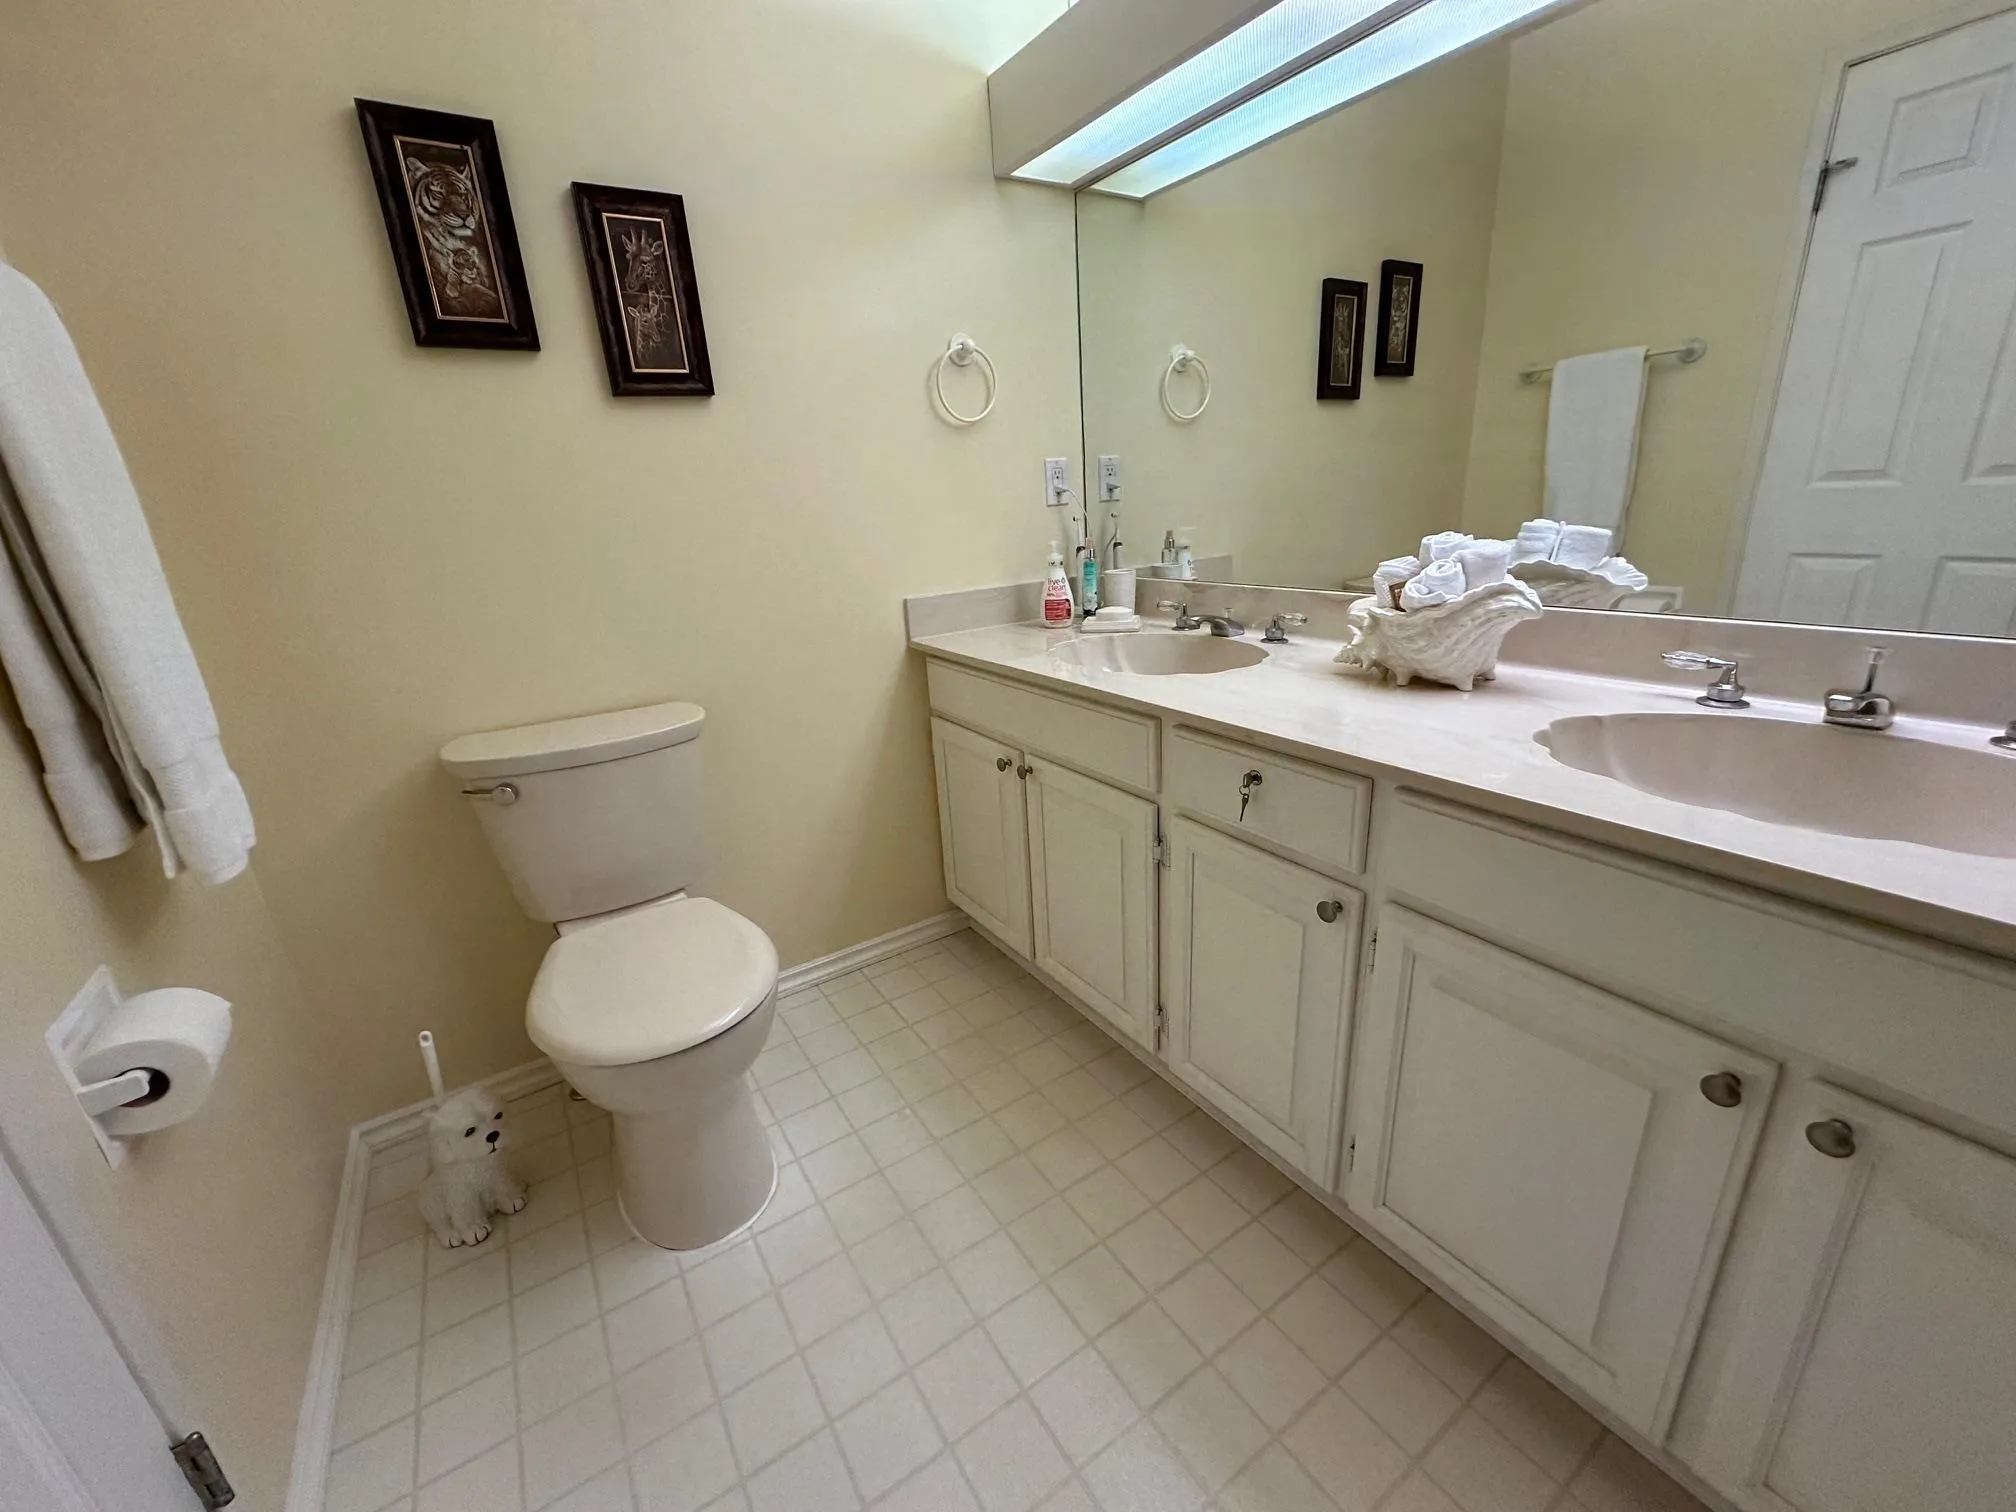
(1246, 785)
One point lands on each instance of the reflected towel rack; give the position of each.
(1691, 350)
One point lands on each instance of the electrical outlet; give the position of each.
(1109, 480)
(1056, 481)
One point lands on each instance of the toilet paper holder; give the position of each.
(115, 1103)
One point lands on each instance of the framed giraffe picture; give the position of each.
(647, 298)
(440, 181)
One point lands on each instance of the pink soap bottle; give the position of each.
(1056, 591)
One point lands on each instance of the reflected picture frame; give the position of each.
(645, 291)
(1399, 330)
(440, 183)
(1340, 349)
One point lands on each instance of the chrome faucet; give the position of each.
(1277, 633)
(1861, 708)
(1185, 620)
(1222, 624)
(1723, 693)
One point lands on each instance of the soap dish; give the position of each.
(1104, 623)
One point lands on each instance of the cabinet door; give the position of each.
(1553, 1154)
(1875, 1368)
(1258, 984)
(1092, 862)
(980, 820)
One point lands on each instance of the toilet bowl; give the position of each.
(652, 1002)
(656, 1015)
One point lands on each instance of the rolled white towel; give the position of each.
(1582, 546)
(1537, 540)
(1443, 545)
(1438, 583)
(1484, 562)
(1388, 578)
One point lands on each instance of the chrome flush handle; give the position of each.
(504, 794)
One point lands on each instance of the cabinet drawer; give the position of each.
(1319, 812)
(1104, 742)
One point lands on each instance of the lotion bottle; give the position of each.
(1056, 591)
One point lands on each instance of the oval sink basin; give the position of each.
(1877, 786)
(1159, 653)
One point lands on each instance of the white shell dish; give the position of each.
(1455, 643)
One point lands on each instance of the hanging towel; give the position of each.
(104, 634)
(1592, 436)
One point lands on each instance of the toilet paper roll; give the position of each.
(177, 1032)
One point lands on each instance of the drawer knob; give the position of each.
(1247, 783)
(1024, 770)
(1002, 763)
(1832, 1137)
(1329, 910)
(1723, 1088)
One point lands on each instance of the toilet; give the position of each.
(652, 1002)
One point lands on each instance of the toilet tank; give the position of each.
(588, 814)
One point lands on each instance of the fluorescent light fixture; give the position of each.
(1201, 84)
(1433, 31)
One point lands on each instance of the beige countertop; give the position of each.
(1480, 747)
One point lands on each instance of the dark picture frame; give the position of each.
(647, 297)
(440, 181)
(1399, 331)
(1340, 354)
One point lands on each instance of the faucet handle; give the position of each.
(1726, 692)
(1862, 708)
(1277, 632)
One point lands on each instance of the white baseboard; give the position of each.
(316, 1427)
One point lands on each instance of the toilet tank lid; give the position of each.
(580, 741)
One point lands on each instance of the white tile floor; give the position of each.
(1006, 1268)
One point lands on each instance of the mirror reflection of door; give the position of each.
(1888, 491)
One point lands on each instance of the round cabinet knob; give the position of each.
(1832, 1137)
(1329, 910)
(1023, 771)
(1723, 1088)
(1002, 763)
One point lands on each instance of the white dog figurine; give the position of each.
(470, 1180)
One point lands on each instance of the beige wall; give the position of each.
(1651, 187)
(1231, 264)
(378, 547)
(207, 1246)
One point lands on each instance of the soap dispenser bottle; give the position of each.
(1056, 591)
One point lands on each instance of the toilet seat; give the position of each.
(649, 983)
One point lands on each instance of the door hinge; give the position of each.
(1162, 850)
(1371, 950)
(1351, 1153)
(200, 1468)
(1827, 172)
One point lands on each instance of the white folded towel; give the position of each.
(80, 545)
(1437, 583)
(1388, 578)
(1443, 545)
(1592, 436)
(1582, 546)
(1484, 562)
(1536, 542)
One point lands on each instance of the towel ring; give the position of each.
(1181, 360)
(964, 352)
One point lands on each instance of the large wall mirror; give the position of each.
(1631, 173)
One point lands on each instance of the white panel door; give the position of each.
(1875, 1368)
(1259, 958)
(76, 1435)
(1092, 865)
(1552, 1153)
(981, 824)
(1888, 493)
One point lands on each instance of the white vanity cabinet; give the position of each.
(1259, 957)
(1092, 885)
(982, 826)
(1564, 1160)
(1874, 1364)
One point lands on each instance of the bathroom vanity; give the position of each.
(1710, 1117)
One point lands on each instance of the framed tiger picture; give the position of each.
(440, 181)
(647, 298)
